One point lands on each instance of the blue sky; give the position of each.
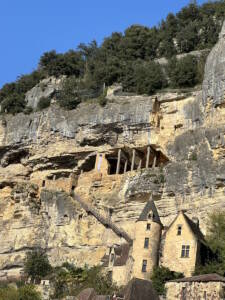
(31, 27)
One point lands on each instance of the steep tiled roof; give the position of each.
(195, 228)
(202, 278)
(140, 289)
(150, 206)
(122, 253)
(121, 256)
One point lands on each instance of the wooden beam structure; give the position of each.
(125, 167)
(118, 162)
(133, 160)
(148, 157)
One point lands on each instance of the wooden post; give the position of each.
(154, 162)
(140, 164)
(118, 162)
(147, 158)
(125, 167)
(133, 159)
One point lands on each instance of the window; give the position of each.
(148, 226)
(185, 251)
(43, 183)
(146, 244)
(179, 229)
(144, 266)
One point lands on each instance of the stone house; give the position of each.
(204, 287)
(118, 263)
(180, 247)
(146, 243)
(183, 245)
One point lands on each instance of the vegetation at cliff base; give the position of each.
(70, 280)
(36, 265)
(130, 58)
(160, 276)
(67, 279)
(216, 241)
(25, 292)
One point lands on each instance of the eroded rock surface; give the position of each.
(46, 154)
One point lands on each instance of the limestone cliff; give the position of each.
(46, 154)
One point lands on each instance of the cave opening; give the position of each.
(89, 163)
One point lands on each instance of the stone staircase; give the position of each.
(103, 220)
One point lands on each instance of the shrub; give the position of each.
(43, 103)
(215, 241)
(148, 78)
(12, 96)
(102, 98)
(194, 156)
(160, 276)
(71, 281)
(37, 265)
(183, 72)
(13, 103)
(26, 292)
(69, 97)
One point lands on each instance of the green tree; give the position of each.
(69, 97)
(216, 242)
(160, 276)
(43, 103)
(183, 72)
(56, 64)
(37, 265)
(13, 103)
(148, 78)
(26, 292)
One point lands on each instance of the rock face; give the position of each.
(46, 88)
(46, 154)
(214, 82)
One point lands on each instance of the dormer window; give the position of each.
(179, 229)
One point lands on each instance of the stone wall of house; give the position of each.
(195, 290)
(173, 245)
(149, 254)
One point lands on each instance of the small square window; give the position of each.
(146, 244)
(179, 229)
(185, 251)
(144, 266)
(148, 226)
